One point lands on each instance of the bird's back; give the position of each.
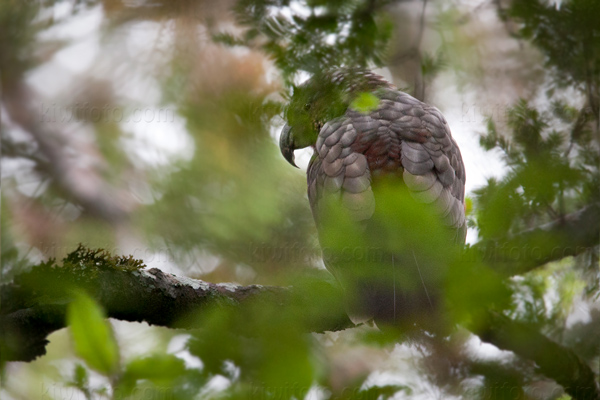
(386, 187)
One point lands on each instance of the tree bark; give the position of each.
(150, 296)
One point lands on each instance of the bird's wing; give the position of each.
(337, 172)
(402, 136)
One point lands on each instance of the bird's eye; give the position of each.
(307, 107)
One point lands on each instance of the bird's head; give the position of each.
(313, 103)
(322, 98)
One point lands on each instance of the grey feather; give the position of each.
(351, 159)
(334, 184)
(390, 114)
(430, 195)
(416, 154)
(444, 202)
(335, 136)
(432, 119)
(357, 184)
(333, 153)
(447, 177)
(346, 151)
(334, 168)
(417, 168)
(328, 129)
(442, 163)
(349, 136)
(357, 168)
(419, 183)
(361, 205)
(365, 124)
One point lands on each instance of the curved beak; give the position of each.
(286, 145)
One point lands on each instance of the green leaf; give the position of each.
(365, 102)
(92, 335)
(468, 206)
(268, 346)
(80, 377)
(159, 368)
(162, 370)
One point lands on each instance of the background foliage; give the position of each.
(149, 128)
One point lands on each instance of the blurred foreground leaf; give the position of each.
(93, 338)
(365, 102)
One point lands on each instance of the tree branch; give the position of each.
(569, 236)
(85, 186)
(553, 360)
(145, 296)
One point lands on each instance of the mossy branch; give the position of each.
(34, 305)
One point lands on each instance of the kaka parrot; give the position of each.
(386, 188)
